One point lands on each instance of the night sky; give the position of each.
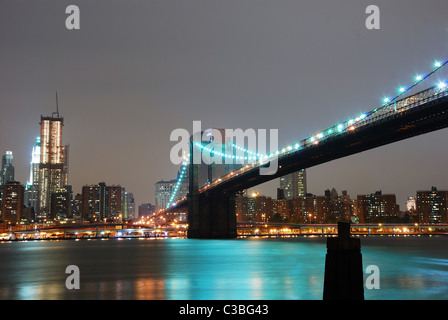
(137, 70)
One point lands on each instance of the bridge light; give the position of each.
(442, 85)
(418, 78)
(402, 90)
(386, 100)
(320, 135)
(363, 116)
(437, 64)
(340, 127)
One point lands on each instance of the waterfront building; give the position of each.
(77, 206)
(255, 208)
(377, 207)
(101, 202)
(146, 210)
(432, 206)
(61, 204)
(127, 204)
(12, 202)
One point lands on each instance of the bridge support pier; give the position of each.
(343, 267)
(212, 216)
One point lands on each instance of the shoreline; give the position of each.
(238, 237)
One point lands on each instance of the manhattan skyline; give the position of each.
(133, 74)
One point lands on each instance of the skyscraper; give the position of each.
(32, 185)
(52, 162)
(7, 168)
(294, 184)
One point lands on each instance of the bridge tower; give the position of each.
(211, 215)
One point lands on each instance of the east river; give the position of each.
(410, 268)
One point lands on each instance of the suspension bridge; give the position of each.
(416, 109)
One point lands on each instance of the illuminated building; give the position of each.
(411, 204)
(294, 184)
(255, 208)
(282, 207)
(376, 207)
(101, 202)
(146, 210)
(341, 206)
(163, 192)
(32, 185)
(12, 203)
(65, 150)
(61, 205)
(310, 209)
(113, 201)
(130, 202)
(77, 206)
(432, 206)
(53, 165)
(7, 168)
(127, 204)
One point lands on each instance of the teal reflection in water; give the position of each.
(244, 269)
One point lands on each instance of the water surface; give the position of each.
(279, 269)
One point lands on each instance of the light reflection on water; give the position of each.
(249, 269)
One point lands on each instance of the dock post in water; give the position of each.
(343, 267)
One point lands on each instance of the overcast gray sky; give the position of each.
(137, 70)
